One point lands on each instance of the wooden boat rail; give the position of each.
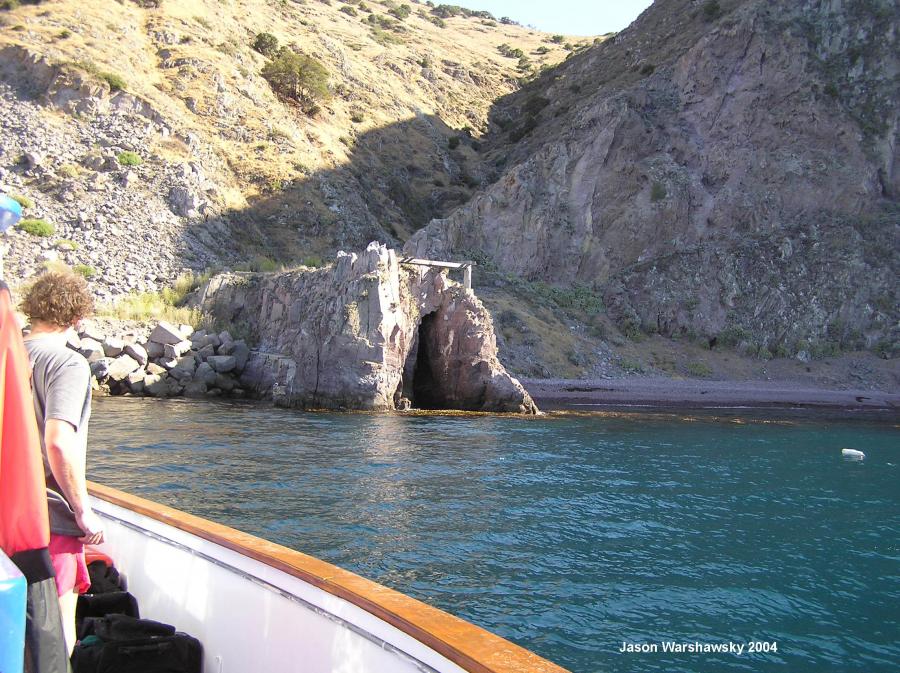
(474, 649)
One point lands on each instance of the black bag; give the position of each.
(105, 578)
(101, 605)
(122, 644)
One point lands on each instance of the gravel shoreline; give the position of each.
(584, 394)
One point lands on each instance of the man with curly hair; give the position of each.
(61, 386)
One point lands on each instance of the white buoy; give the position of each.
(852, 454)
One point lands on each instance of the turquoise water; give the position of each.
(568, 535)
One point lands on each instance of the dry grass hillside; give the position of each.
(375, 161)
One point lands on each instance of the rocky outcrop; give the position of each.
(717, 166)
(367, 333)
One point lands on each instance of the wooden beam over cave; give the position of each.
(466, 267)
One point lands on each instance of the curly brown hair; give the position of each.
(57, 298)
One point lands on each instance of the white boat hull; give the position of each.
(257, 606)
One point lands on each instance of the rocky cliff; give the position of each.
(366, 333)
(726, 170)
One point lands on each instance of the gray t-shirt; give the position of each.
(61, 387)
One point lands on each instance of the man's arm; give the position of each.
(67, 462)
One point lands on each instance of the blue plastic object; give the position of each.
(10, 213)
(13, 590)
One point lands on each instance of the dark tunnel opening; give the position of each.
(426, 390)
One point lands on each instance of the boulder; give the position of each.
(225, 337)
(205, 373)
(225, 382)
(34, 159)
(154, 349)
(100, 369)
(241, 353)
(154, 368)
(138, 352)
(92, 350)
(211, 340)
(136, 381)
(121, 367)
(166, 333)
(184, 368)
(113, 346)
(156, 385)
(207, 351)
(186, 331)
(195, 389)
(176, 350)
(167, 363)
(90, 330)
(185, 202)
(222, 363)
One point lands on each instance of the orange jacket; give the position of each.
(24, 524)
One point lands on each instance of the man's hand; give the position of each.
(92, 526)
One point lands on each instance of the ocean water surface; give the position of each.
(571, 535)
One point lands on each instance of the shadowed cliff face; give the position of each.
(365, 333)
(709, 170)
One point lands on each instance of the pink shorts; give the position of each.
(67, 555)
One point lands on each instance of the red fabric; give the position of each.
(67, 555)
(24, 523)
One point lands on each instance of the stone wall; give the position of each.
(366, 333)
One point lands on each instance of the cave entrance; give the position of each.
(420, 383)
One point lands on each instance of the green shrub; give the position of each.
(400, 12)
(631, 366)
(129, 158)
(349, 11)
(647, 69)
(64, 34)
(297, 76)
(453, 142)
(384, 37)
(66, 244)
(266, 44)
(40, 227)
(357, 117)
(69, 171)
(657, 192)
(10, 4)
(23, 201)
(732, 336)
(85, 270)
(510, 52)
(262, 264)
(700, 369)
(558, 39)
(177, 293)
(116, 82)
(711, 10)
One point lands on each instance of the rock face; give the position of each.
(366, 333)
(717, 167)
